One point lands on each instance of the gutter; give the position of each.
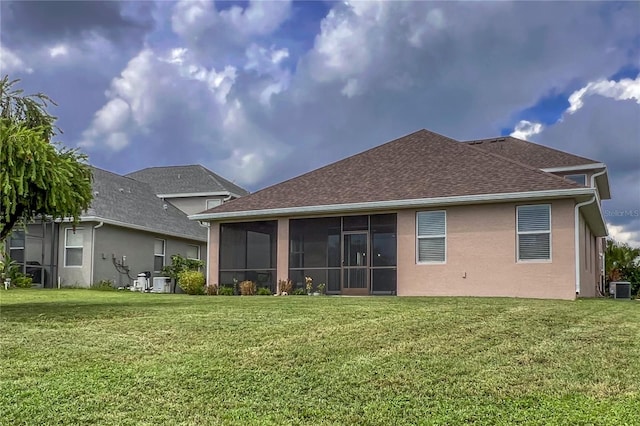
(589, 166)
(577, 227)
(138, 227)
(392, 204)
(93, 245)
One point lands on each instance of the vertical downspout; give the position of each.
(93, 245)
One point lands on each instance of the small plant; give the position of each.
(21, 280)
(308, 284)
(211, 289)
(225, 291)
(264, 291)
(299, 292)
(235, 286)
(321, 288)
(103, 285)
(247, 288)
(180, 264)
(191, 282)
(285, 286)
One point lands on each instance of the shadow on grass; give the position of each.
(74, 310)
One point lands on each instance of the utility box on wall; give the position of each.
(620, 289)
(161, 285)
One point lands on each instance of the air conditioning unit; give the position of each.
(621, 289)
(161, 285)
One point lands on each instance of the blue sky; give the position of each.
(263, 91)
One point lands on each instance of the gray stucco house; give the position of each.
(135, 224)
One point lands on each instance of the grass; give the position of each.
(81, 357)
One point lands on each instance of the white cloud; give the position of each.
(198, 20)
(619, 90)
(11, 62)
(525, 129)
(58, 50)
(619, 234)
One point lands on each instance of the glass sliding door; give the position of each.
(355, 263)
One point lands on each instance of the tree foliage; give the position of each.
(37, 177)
(622, 263)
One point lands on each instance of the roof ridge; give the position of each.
(526, 166)
(506, 138)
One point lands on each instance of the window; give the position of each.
(580, 179)
(431, 236)
(213, 203)
(73, 243)
(193, 252)
(158, 253)
(16, 246)
(534, 232)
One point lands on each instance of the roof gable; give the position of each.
(130, 202)
(417, 166)
(532, 154)
(188, 179)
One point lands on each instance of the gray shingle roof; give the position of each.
(122, 199)
(529, 153)
(185, 180)
(420, 165)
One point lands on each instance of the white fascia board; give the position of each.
(398, 204)
(199, 194)
(138, 227)
(590, 166)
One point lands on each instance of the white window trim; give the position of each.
(518, 233)
(163, 254)
(197, 248)
(219, 200)
(418, 238)
(66, 246)
(586, 182)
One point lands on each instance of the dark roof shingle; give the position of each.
(185, 180)
(132, 202)
(420, 165)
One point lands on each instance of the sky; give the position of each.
(260, 92)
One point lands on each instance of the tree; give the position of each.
(622, 263)
(38, 177)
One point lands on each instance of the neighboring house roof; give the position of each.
(188, 180)
(419, 166)
(534, 155)
(130, 203)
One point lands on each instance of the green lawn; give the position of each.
(81, 357)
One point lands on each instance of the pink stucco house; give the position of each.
(424, 215)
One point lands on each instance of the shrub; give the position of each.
(321, 288)
(299, 292)
(264, 291)
(247, 288)
(103, 285)
(211, 289)
(308, 283)
(21, 281)
(285, 286)
(191, 282)
(225, 291)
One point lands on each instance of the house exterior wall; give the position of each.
(75, 276)
(590, 260)
(481, 255)
(214, 253)
(138, 247)
(282, 272)
(192, 205)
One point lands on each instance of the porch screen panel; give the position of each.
(248, 252)
(314, 250)
(383, 253)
